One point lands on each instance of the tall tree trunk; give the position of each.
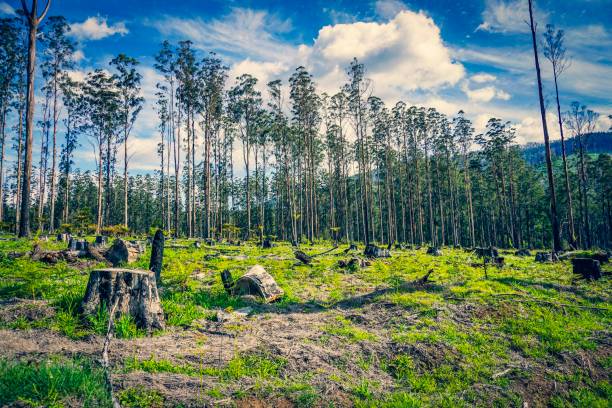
(554, 220)
(54, 156)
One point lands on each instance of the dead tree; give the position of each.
(157, 255)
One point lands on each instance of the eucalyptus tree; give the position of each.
(554, 51)
(305, 104)
(34, 20)
(582, 121)
(554, 220)
(464, 135)
(72, 100)
(164, 123)
(127, 83)
(58, 58)
(186, 71)
(244, 105)
(340, 152)
(358, 90)
(213, 75)
(100, 105)
(9, 71)
(165, 63)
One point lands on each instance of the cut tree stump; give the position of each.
(372, 251)
(157, 255)
(434, 251)
(123, 252)
(134, 292)
(587, 267)
(302, 257)
(546, 257)
(256, 282)
(523, 252)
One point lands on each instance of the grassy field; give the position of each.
(525, 335)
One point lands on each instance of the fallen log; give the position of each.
(256, 282)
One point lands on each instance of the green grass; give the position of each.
(50, 383)
(443, 348)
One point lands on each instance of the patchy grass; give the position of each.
(367, 337)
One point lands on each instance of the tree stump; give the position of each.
(157, 255)
(100, 240)
(133, 291)
(546, 257)
(587, 267)
(122, 252)
(372, 251)
(256, 282)
(63, 237)
(302, 257)
(266, 243)
(434, 251)
(523, 252)
(490, 252)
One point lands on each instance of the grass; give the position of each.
(463, 329)
(51, 383)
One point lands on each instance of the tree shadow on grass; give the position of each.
(539, 285)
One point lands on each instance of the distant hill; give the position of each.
(599, 142)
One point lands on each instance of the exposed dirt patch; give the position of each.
(28, 309)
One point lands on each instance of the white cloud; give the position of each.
(243, 33)
(482, 78)
(507, 16)
(6, 9)
(389, 8)
(78, 55)
(485, 94)
(97, 28)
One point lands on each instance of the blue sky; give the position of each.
(470, 55)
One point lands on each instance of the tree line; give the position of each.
(310, 165)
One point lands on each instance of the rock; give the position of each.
(587, 267)
(372, 251)
(434, 251)
(235, 315)
(133, 291)
(122, 252)
(523, 252)
(157, 255)
(302, 257)
(256, 282)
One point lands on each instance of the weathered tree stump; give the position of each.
(157, 255)
(78, 244)
(197, 244)
(434, 251)
(587, 267)
(372, 251)
(302, 257)
(122, 252)
(546, 257)
(266, 243)
(101, 240)
(133, 291)
(490, 252)
(210, 242)
(256, 282)
(63, 237)
(353, 263)
(523, 252)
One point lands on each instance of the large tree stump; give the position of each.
(434, 251)
(133, 291)
(587, 267)
(372, 251)
(157, 255)
(256, 282)
(123, 252)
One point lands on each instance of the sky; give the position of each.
(474, 56)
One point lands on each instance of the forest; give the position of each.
(302, 190)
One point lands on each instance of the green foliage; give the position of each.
(140, 397)
(50, 383)
(125, 328)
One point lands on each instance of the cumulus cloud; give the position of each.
(6, 9)
(507, 16)
(97, 28)
(389, 8)
(486, 94)
(482, 78)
